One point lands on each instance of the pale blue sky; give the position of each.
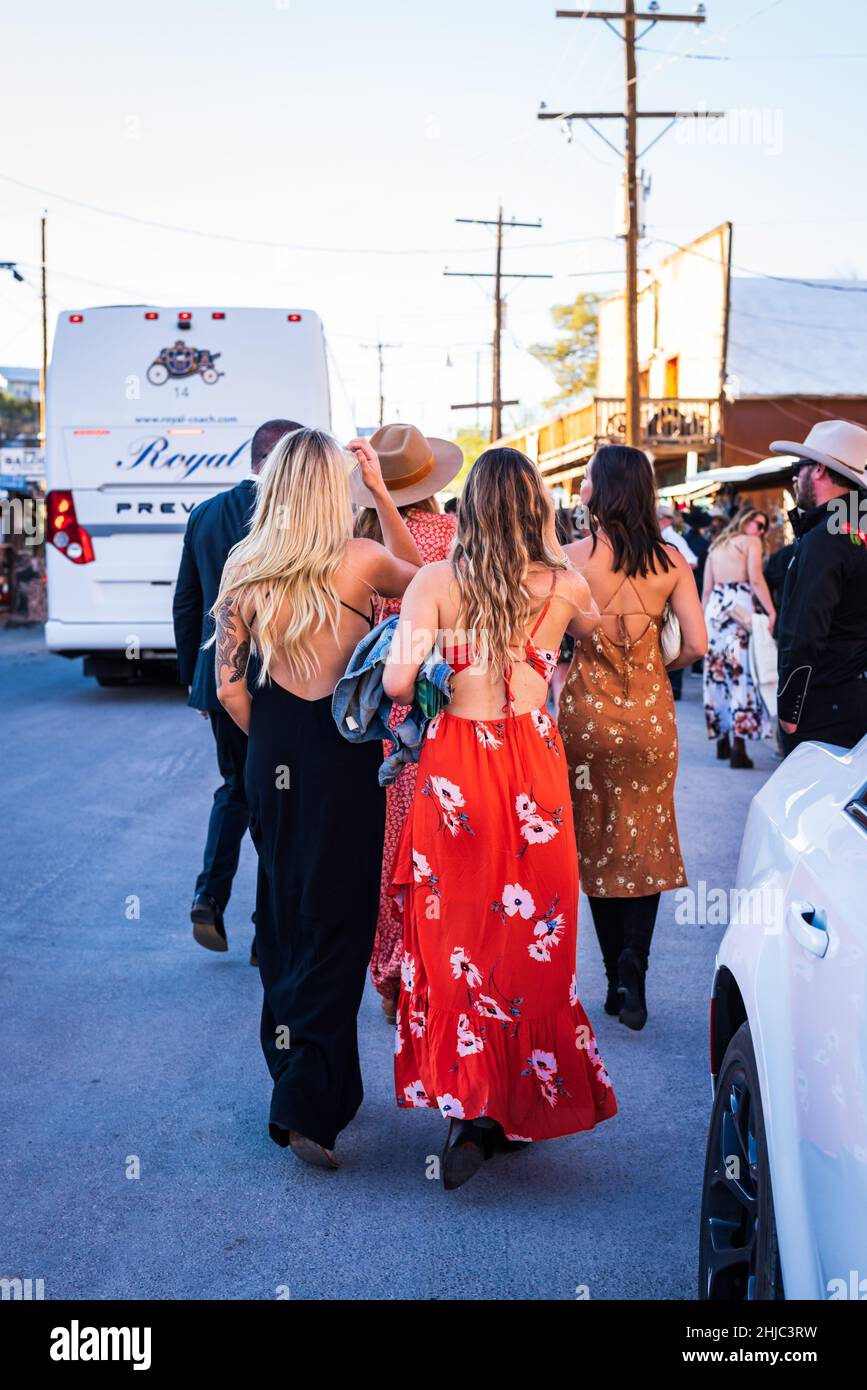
(365, 129)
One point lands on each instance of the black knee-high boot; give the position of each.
(608, 921)
(639, 920)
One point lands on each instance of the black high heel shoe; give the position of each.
(463, 1153)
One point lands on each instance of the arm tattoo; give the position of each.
(230, 652)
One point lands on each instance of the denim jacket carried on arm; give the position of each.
(361, 708)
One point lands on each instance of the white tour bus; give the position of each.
(149, 411)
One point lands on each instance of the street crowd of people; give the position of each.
(424, 777)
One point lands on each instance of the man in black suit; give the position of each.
(213, 528)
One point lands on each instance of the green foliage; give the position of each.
(17, 417)
(573, 356)
(473, 442)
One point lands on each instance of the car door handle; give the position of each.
(808, 927)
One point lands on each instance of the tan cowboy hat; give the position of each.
(413, 466)
(839, 444)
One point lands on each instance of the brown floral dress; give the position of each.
(618, 725)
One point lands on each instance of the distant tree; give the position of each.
(17, 418)
(573, 356)
(473, 442)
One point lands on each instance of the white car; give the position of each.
(784, 1202)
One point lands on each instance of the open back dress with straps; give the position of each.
(317, 815)
(618, 725)
(489, 1022)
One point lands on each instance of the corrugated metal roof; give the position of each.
(794, 339)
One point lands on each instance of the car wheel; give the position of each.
(738, 1253)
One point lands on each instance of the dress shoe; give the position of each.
(311, 1152)
(463, 1154)
(206, 916)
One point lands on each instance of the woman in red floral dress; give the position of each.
(490, 1029)
(433, 532)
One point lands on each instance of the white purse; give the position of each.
(670, 636)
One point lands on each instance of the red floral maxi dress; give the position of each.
(433, 533)
(486, 877)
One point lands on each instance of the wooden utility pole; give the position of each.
(379, 348)
(43, 376)
(629, 16)
(633, 395)
(496, 402)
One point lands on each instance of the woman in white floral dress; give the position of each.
(490, 1029)
(732, 578)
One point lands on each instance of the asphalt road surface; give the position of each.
(134, 1155)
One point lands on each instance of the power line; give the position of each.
(207, 235)
(766, 275)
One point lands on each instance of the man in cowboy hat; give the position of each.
(822, 629)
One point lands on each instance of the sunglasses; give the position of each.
(761, 526)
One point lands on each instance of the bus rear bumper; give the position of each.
(134, 641)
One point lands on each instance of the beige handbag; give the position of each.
(670, 636)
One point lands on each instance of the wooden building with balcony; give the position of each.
(727, 364)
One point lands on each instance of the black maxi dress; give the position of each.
(317, 818)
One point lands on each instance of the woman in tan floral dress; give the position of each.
(617, 718)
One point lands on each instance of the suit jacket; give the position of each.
(213, 528)
(822, 629)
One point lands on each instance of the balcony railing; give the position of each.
(668, 424)
(665, 421)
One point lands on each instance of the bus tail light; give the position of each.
(64, 531)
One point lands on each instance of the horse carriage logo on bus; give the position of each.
(184, 361)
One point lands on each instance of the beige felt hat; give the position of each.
(413, 466)
(839, 444)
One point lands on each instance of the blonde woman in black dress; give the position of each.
(299, 589)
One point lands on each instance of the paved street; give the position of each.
(121, 1037)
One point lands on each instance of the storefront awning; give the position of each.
(767, 473)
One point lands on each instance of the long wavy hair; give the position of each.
(504, 526)
(623, 505)
(738, 523)
(293, 550)
(367, 521)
